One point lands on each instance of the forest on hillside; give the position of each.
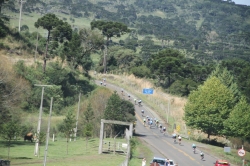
(206, 32)
(178, 44)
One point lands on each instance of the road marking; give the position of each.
(191, 158)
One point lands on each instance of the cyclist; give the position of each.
(101, 82)
(194, 147)
(157, 123)
(139, 103)
(135, 101)
(179, 138)
(174, 137)
(150, 123)
(160, 128)
(144, 122)
(128, 97)
(104, 84)
(164, 130)
(147, 116)
(142, 112)
(202, 155)
(104, 79)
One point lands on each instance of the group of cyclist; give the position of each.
(103, 82)
(150, 123)
(201, 153)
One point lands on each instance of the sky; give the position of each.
(244, 2)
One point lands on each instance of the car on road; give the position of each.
(161, 161)
(221, 163)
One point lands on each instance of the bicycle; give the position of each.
(194, 149)
(142, 113)
(202, 156)
(164, 132)
(179, 138)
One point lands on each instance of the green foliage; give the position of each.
(88, 121)
(109, 28)
(61, 31)
(120, 110)
(228, 80)
(10, 130)
(89, 114)
(67, 126)
(77, 51)
(113, 111)
(237, 125)
(121, 58)
(133, 145)
(67, 84)
(183, 87)
(208, 107)
(166, 65)
(141, 71)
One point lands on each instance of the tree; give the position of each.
(9, 131)
(113, 110)
(109, 29)
(88, 118)
(208, 107)
(79, 48)
(167, 64)
(67, 126)
(228, 80)
(237, 124)
(61, 30)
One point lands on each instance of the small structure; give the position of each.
(128, 135)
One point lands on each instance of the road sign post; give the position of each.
(242, 153)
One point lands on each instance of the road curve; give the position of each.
(163, 145)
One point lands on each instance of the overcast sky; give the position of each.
(244, 2)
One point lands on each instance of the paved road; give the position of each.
(163, 145)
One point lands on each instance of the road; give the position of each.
(163, 145)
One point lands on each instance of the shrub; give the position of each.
(141, 71)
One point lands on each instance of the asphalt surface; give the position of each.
(163, 145)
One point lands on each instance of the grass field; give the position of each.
(22, 153)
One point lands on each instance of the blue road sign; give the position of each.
(148, 91)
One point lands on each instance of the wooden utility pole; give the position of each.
(20, 17)
(77, 115)
(39, 120)
(47, 138)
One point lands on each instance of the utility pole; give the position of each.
(36, 44)
(105, 58)
(47, 138)
(77, 115)
(39, 119)
(20, 17)
(168, 109)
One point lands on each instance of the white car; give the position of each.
(162, 161)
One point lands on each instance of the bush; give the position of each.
(183, 87)
(141, 71)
